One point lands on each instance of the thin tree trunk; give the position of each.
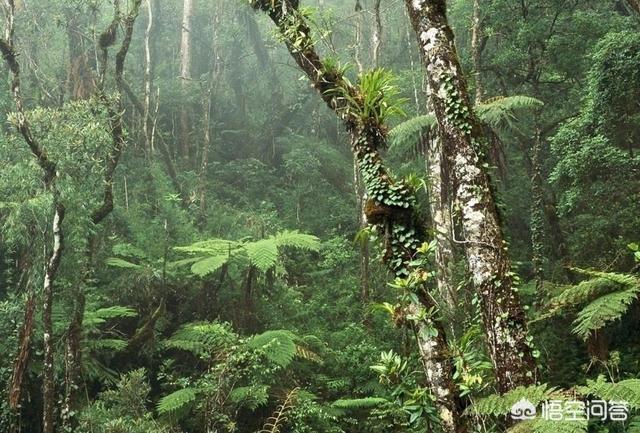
(185, 75)
(486, 250)
(22, 359)
(441, 222)
(476, 50)
(391, 222)
(376, 37)
(537, 214)
(50, 175)
(48, 384)
(149, 59)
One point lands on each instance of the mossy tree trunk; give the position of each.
(390, 207)
(463, 144)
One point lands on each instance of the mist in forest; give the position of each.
(321, 216)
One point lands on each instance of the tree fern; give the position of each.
(278, 346)
(295, 239)
(179, 400)
(208, 265)
(499, 114)
(201, 338)
(263, 254)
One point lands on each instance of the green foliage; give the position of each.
(212, 254)
(202, 338)
(607, 296)
(626, 390)
(496, 405)
(359, 403)
(407, 133)
(251, 397)
(377, 98)
(278, 346)
(501, 112)
(176, 401)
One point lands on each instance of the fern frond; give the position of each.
(275, 422)
(263, 253)
(500, 113)
(278, 346)
(93, 318)
(208, 265)
(501, 404)
(309, 355)
(176, 401)
(359, 403)
(625, 390)
(407, 134)
(117, 262)
(540, 425)
(201, 338)
(602, 311)
(211, 247)
(251, 397)
(295, 239)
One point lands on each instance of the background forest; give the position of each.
(332, 216)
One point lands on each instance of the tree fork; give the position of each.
(486, 251)
(366, 139)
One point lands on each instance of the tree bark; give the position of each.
(24, 353)
(441, 221)
(476, 50)
(486, 250)
(185, 75)
(391, 222)
(537, 214)
(635, 5)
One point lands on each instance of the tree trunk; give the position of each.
(442, 223)
(22, 360)
(149, 59)
(537, 214)
(635, 5)
(376, 37)
(48, 384)
(486, 250)
(390, 221)
(185, 75)
(476, 50)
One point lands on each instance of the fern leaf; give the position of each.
(278, 346)
(296, 239)
(501, 404)
(263, 253)
(251, 397)
(602, 311)
(117, 262)
(625, 390)
(359, 403)
(500, 113)
(540, 425)
(275, 422)
(176, 401)
(208, 265)
(408, 133)
(201, 338)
